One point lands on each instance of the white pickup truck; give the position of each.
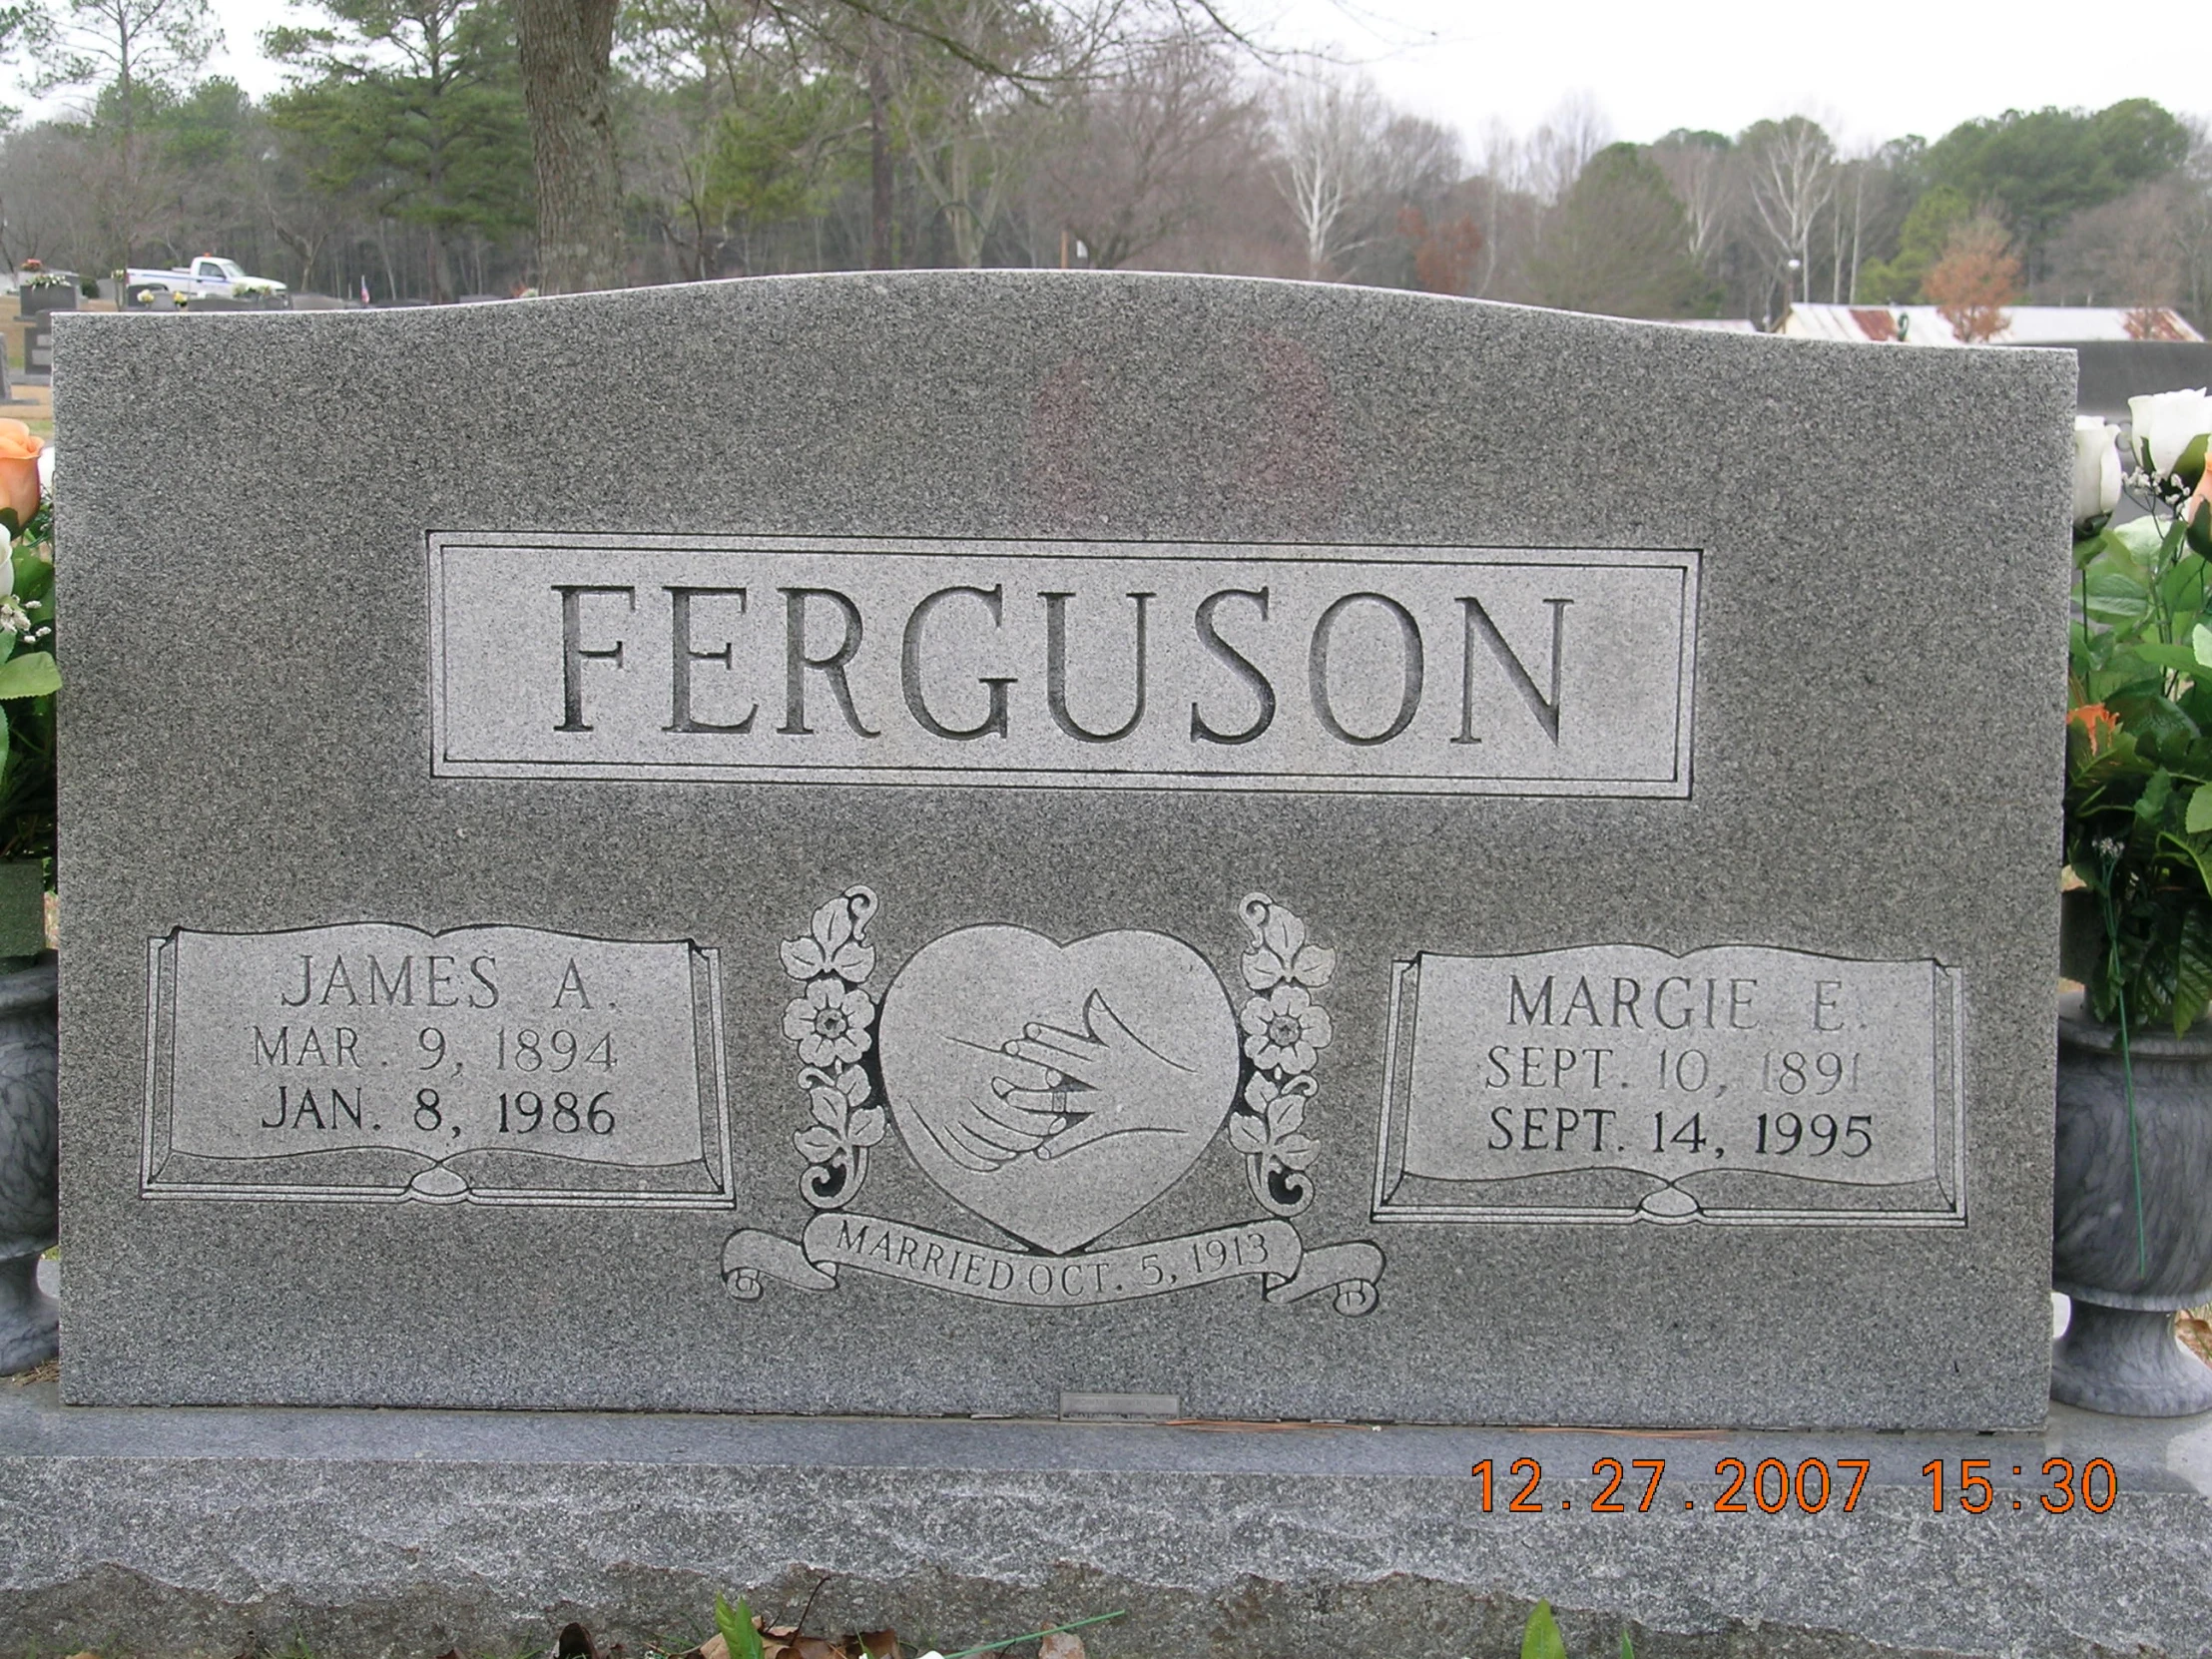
(205, 277)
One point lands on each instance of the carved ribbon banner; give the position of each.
(1270, 1251)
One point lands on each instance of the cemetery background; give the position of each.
(760, 141)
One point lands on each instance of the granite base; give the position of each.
(371, 1532)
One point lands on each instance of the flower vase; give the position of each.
(29, 1319)
(2131, 1239)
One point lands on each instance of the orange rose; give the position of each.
(2201, 495)
(2095, 723)
(19, 469)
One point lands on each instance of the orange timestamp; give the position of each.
(1771, 1486)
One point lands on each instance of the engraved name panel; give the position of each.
(1064, 665)
(489, 1065)
(1619, 1082)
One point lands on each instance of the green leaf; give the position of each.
(735, 1625)
(2139, 537)
(2150, 805)
(2181, 658)
(2161, 730)
(1629, 1650)
(2182, 587)
(2199, 818)
(1541, 1640)
(33, 674)
(34, 577)
(2116, 594)
(2200, 527)
(2192, 987)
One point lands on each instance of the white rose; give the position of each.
(2166, 424)
(2096, 473)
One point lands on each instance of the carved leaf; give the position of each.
(1263, 969)
(817, 1144)
(829, 1108)
(866, 1127)
(1285, 1115)
(1247, 1135)
(1295, 1151)
(802, 958)
(1313, 965)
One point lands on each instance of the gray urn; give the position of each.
(29, 1319)
(2127, 1272)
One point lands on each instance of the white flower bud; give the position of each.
(2096, 473)
(2167, 422)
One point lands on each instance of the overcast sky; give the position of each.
(1869, 73)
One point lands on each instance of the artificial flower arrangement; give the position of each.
(2138, 813)
(27, 682)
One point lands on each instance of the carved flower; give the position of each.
(830, 1023)
(1284, 1028)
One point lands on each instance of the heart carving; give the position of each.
(1056, 1090)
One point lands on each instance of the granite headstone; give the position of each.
(38, 346)
(955, 842)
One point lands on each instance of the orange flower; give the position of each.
(2095, 723)
(18, 452)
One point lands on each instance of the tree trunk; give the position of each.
(564, 47)
(880, 160)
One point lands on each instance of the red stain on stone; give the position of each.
(1064, 441)
(1292, 475)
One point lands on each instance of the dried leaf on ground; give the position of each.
(450, 1653)
(575, 1643)
(1061, 1644)
(2195, 1333)
(878, 1644)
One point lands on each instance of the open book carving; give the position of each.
(488, 1065)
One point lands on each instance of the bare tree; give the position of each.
(962, 98)
(1330, 152)
(1702, 169)
(1562, 144)
(1791, 173)
(1134, 159)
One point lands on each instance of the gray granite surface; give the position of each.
(293, 660)
(366, 1533)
